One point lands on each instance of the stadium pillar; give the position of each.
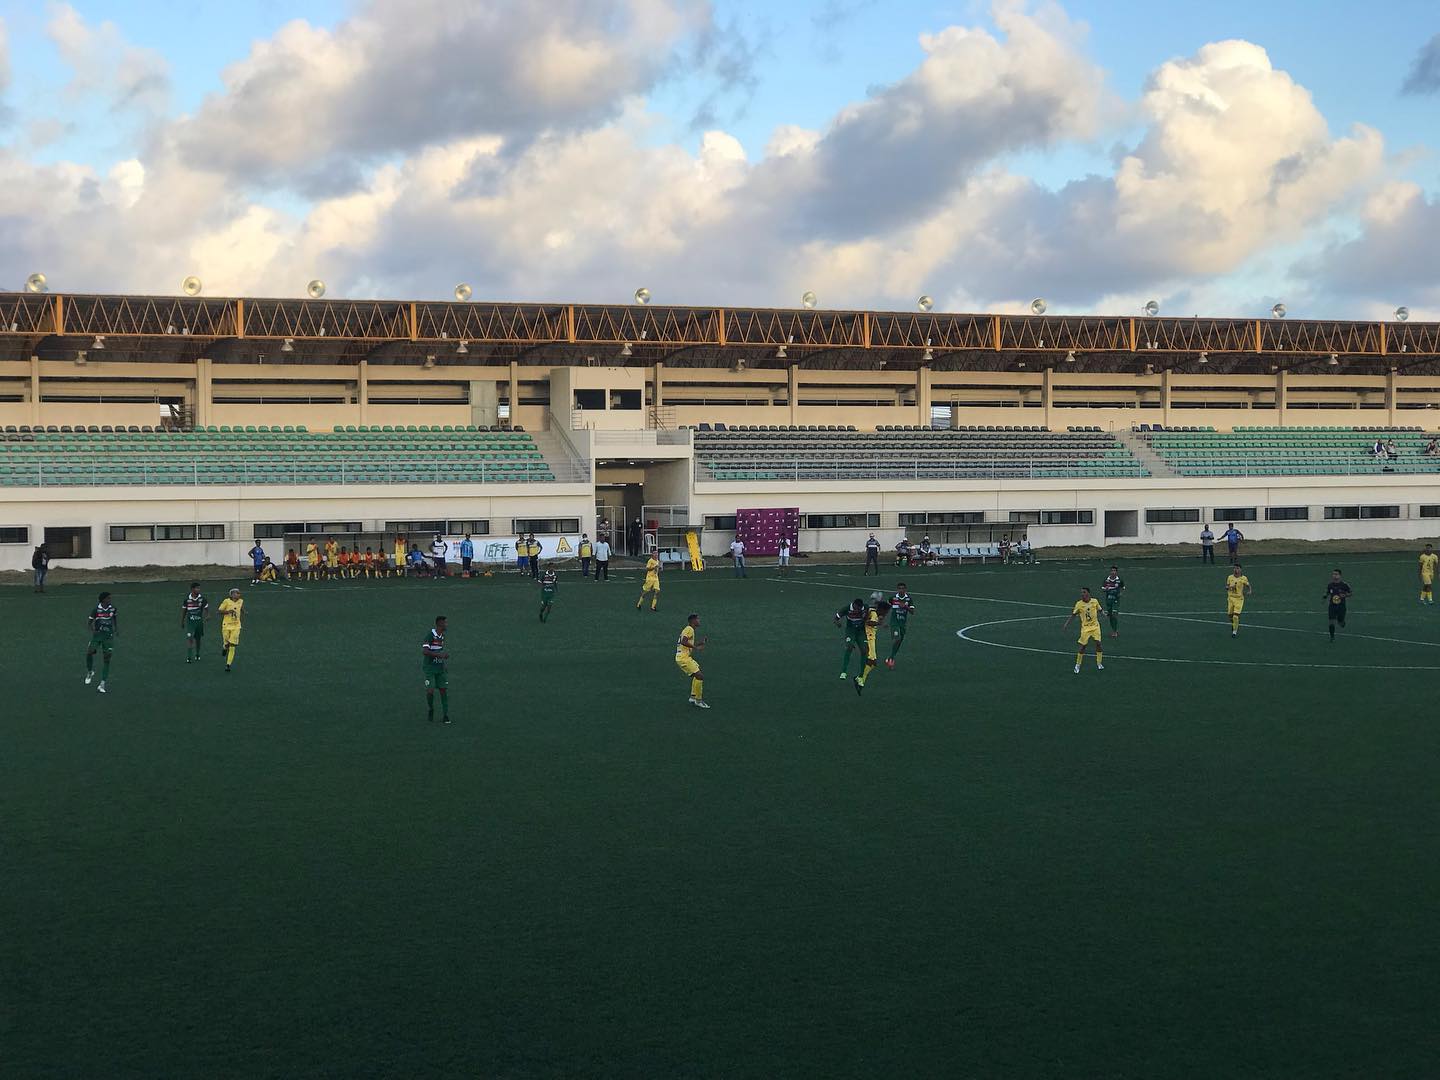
(1282, 394)
(34, 390)
(202, 392)
(1165, 397)
(659, 380)
(793, 395)
(514, 392)
(1047, 394)
(362, 391)
(1390, 388)
(922, 396)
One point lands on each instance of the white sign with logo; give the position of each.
(492, 551)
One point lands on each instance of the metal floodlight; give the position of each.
(1402, 313)
(316, 289)
(191, 286)
(462, 348)
(429, 362)
(37, 282)
(1151, 308)
(642, 296)
(1278, 311)
(808, 299)
(99, 342)
(925, 303)
(1069, 356)
(1204, 358)
(780, 353)
(1038, 306)
(1334, 360)
(463, 292)
(625, 350)
(927, 355)
(80, 358)
(288, 345)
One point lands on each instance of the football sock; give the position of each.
(1114, 622)
(90, 661)
(845, 662)
(654, 603)
(639, 602)
(105, 668)
(1079, 657)
(444, 702)
(697, 689)
(229, 655)
(1234, 622)
(1332, 631)
(895, 646)
(1099, 658)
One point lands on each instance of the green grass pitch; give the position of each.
(1215, 858)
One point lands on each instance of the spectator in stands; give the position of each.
(438, 548)
(737, 552)
(587, 552)
(872, 555)
(902, 552)
(1432, 448)
(1391, 451)
(1233, 536)
(40, 563)
(532, 548)
(1378, 450)
(1207, 545)
(467, 555)
(602, 558)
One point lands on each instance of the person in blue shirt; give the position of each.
(417, 562)
(1233, 536)
(257, 560)
(467, 552)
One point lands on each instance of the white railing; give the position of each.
(45, 472)
(641, 437)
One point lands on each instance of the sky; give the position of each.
(1214, 157)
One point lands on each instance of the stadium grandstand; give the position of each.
(175, 430)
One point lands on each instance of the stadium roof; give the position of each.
(242, 330)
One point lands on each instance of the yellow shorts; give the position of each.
(1234, 606)
(687, 665)
(1426, 581)
(230, 635)
(1091, 633)
(652, 584)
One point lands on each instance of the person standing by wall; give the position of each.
(532, 548)
(40, 563)
(602, 559)
(587, 552)
(737, 552)
(438, 549)
(1233, 536)
(1207, 544)
(467, 555)
(784, 561)
(872, 555)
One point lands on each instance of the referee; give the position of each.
(1336, 593)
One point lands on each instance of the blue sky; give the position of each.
(743, 69)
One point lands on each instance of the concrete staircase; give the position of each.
(563, 463)
(1154, 464)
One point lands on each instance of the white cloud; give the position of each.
(102, 62)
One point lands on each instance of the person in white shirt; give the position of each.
(784, 563)
(737, 552)
(602, 559)
(1026, 554)
(438, 548)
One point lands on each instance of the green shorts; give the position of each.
(103, 642)
(547, 596)
(194, 628)
(855, 637)
(897, 626)
(437, 680)
(1112, 603)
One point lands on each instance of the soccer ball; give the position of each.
(874, 596)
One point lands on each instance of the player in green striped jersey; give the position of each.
(901, 608)
(104, 625)
(1112, 587)
(193, 610)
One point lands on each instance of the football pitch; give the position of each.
(1214, 858)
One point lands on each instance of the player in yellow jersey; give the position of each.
(652, 583)
(874, 616)
(685, 650)
(1088, 608)
(332, 557)
(1237, 588)
(1428, 559)
(312, 561)
(232, 612)
(400, 551)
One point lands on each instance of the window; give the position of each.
(842, 521)
(1170, 517)
(408, 527)
(958, 517)
(625, 399)
(721, 523)
(124, 534)
(1342, 513)
(545, 525)
(274, 531)
(589, 399)
(14, 534)
(474, 528)
(1431, 511)
(68, 543)
(1067, 517)
(1287, 513)
(1227, 514)
(1379, 511)
(333, 527)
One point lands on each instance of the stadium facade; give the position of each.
(157, 430)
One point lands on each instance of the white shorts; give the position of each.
(784, 560)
